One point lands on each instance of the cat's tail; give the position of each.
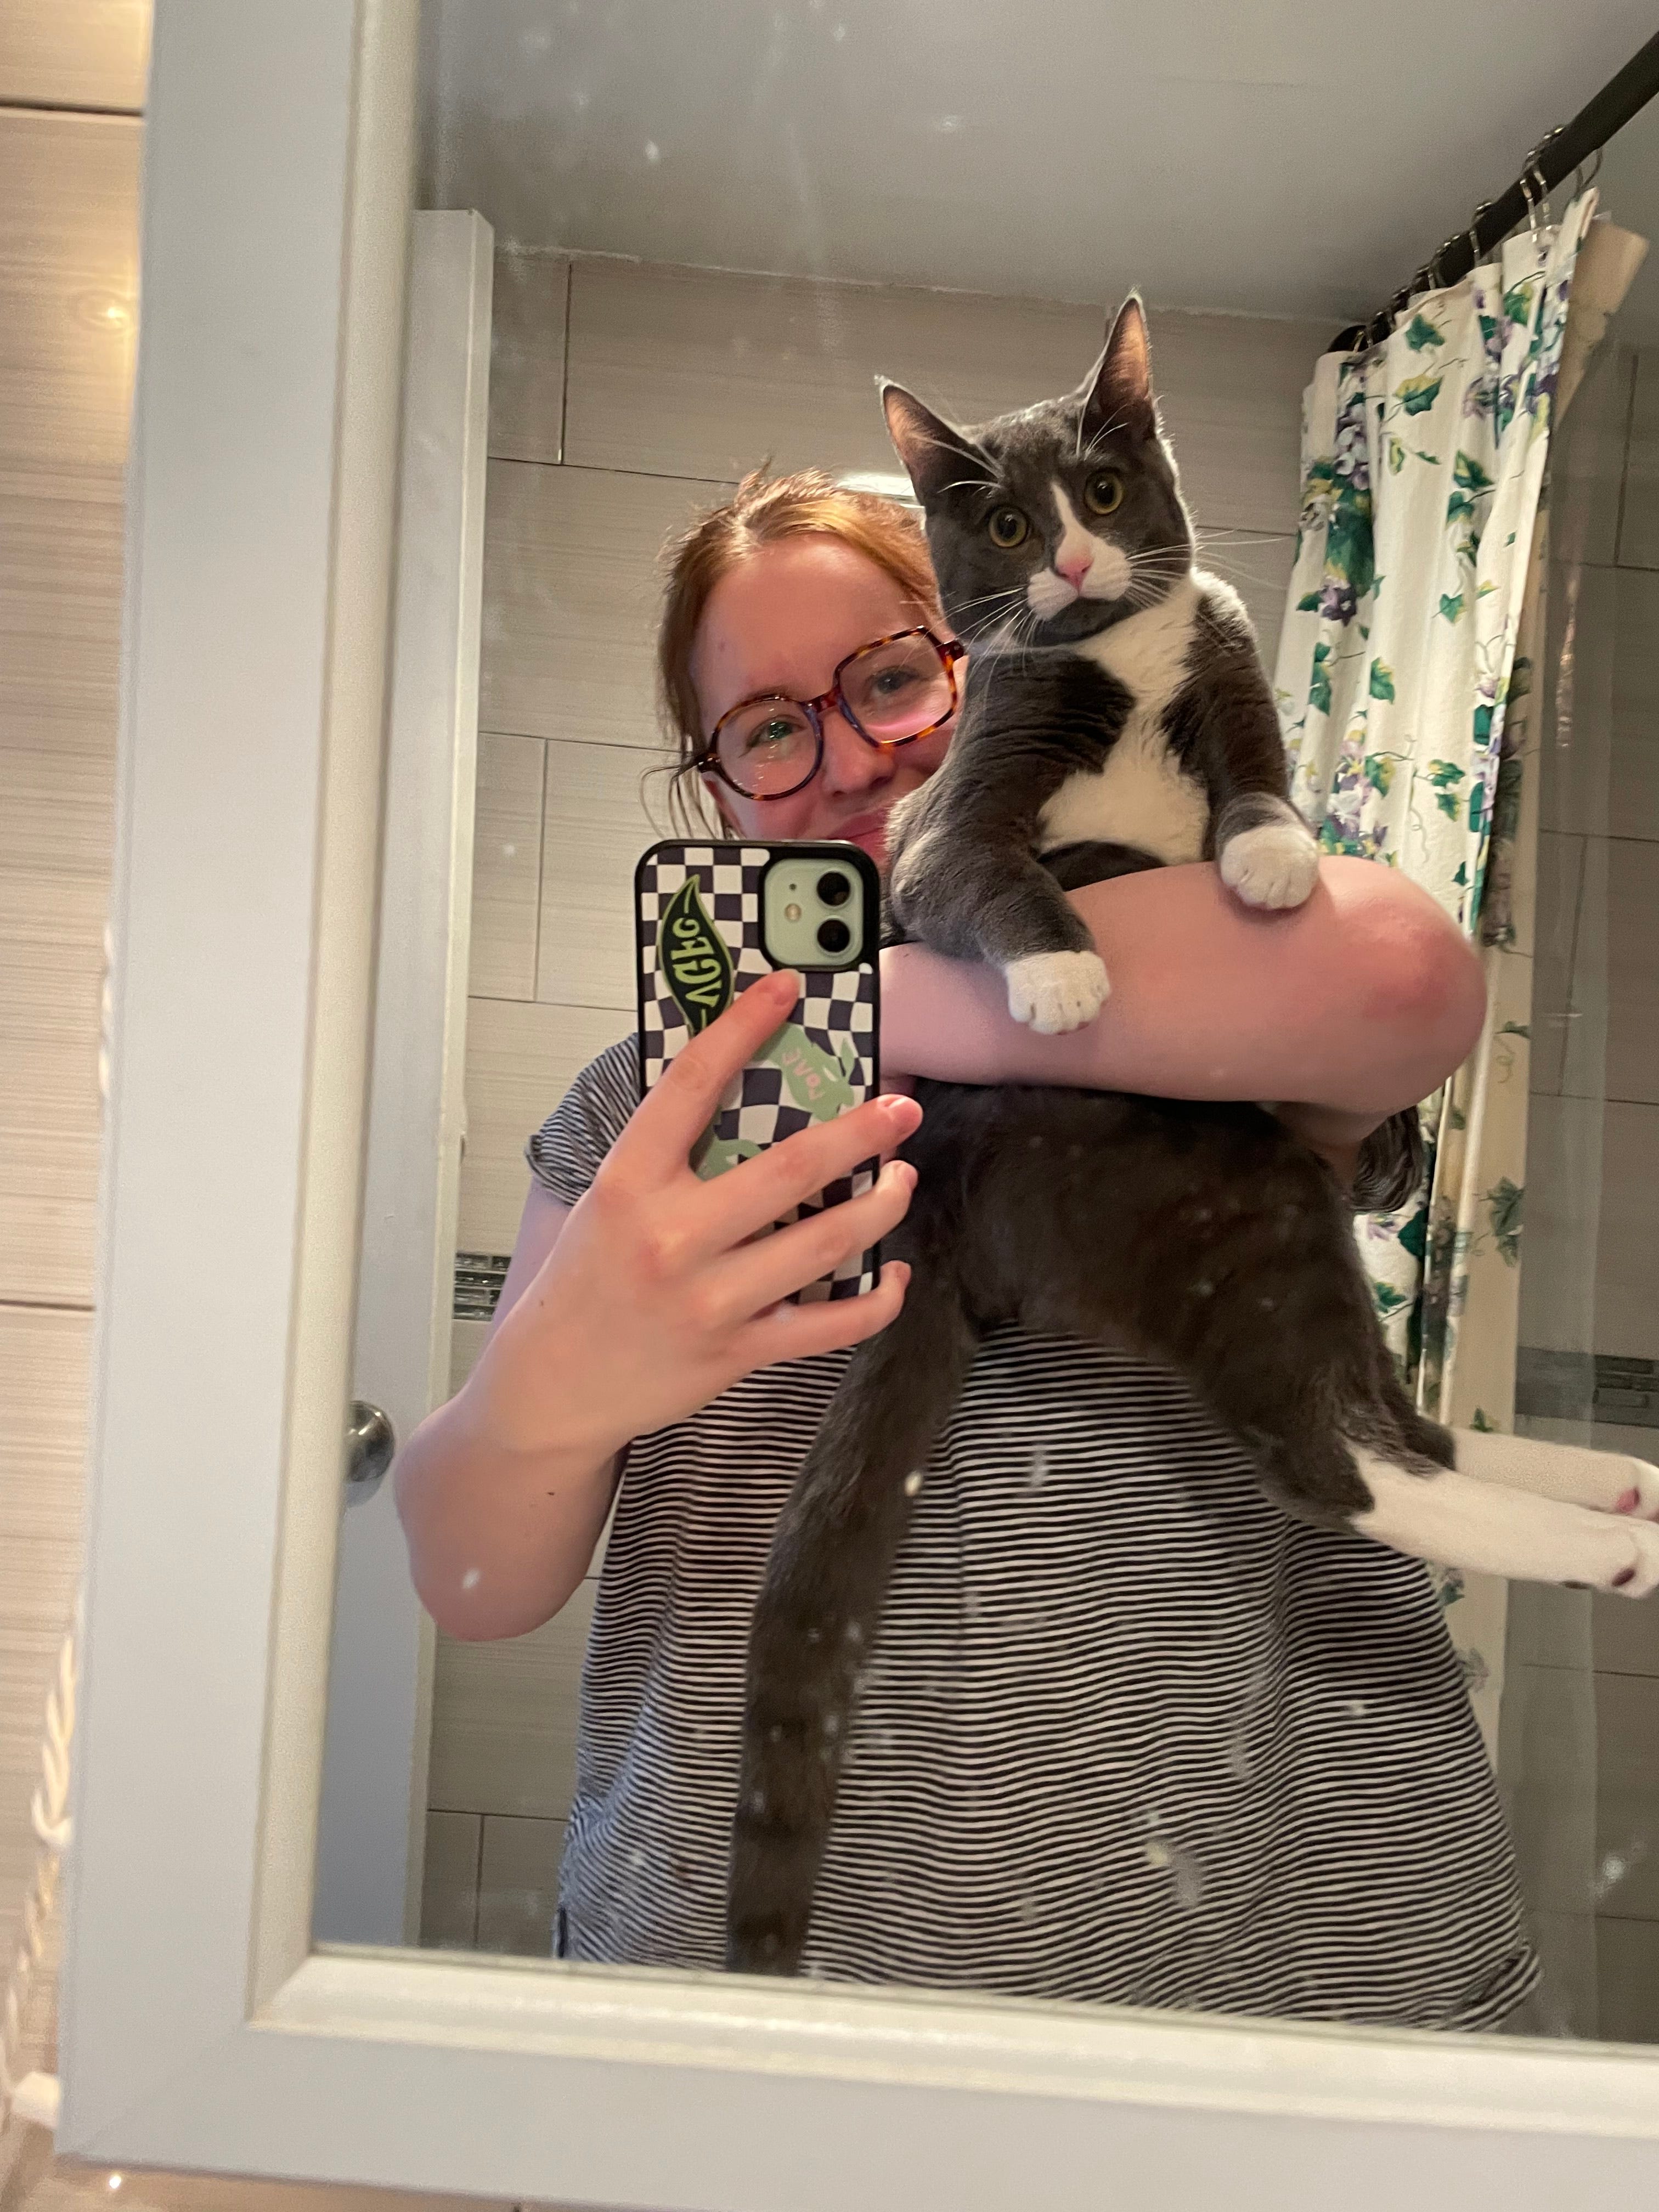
(821, 1605)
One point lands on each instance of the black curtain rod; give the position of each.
(1566, 148)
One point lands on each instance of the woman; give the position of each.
(1128, 1734)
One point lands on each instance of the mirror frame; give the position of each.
(200, 2029)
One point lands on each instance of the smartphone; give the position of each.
(713, 918)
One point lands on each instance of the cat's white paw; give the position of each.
(1638, 1487)
(1640, 1578)
(1056, 991)
(1274, 865)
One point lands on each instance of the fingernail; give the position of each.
(903, 1169)
(898, 1107)
(785, 979)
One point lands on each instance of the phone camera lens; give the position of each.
(835, 889)
(834, 936)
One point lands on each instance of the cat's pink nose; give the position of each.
(1076, 568)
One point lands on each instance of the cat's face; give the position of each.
(1051, 525)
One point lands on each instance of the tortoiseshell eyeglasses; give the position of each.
(892, 691)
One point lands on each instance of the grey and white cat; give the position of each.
(1116, 716)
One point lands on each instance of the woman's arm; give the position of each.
(1350, 1007)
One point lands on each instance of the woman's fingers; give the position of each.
(658, 1137)
(826, 1325)
(750, 1198)
(758, 1275)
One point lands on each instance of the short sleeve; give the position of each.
(565, 1153)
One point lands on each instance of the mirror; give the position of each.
(1129, 1733)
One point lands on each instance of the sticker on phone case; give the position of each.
(695, 959)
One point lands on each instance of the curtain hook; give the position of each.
(1527, 195)
(1472, 233)
(1581, 183)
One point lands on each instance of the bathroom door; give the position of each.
(371, 1837)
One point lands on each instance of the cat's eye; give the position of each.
(1102, 492)
(1008, 527)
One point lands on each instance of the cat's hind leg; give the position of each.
(1452, 1517)
(1606, 1482)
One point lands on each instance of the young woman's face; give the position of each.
(781, 621)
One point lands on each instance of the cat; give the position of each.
(1116, 716)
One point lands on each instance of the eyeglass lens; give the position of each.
(893, 692)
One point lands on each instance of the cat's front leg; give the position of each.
(1266, 854)
(1605, 1481)
(1458, 1520)
(977, 896)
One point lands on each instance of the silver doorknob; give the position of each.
(370, 1442)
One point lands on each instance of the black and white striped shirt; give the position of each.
(1128, 1734)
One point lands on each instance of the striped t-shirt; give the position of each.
(1129, 1733)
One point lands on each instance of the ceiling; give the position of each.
(1260, 155)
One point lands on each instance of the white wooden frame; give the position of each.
(372, 1843)
(200, 2029)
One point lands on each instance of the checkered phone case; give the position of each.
(698, 920)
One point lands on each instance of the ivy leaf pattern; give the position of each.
(1421, 333)
(1419, 393)
(1382, 684)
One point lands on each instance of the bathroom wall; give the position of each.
(624, 397)
(1591, 1248)
(71, 81)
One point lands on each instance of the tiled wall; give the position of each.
(622, 397)
(69, 206)
(1590, 1252)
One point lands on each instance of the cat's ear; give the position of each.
(937, 456)
(1119, 392)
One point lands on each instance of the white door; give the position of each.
(373, 1823)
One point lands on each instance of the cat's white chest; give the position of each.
(1142, 796)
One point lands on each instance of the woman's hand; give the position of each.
(663, 1290)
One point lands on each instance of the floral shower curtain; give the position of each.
(1402, 673)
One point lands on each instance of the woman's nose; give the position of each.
(851, 763)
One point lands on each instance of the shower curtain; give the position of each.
(1403, 684)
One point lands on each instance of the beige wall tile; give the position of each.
(1590, 1269)
(1639, 529)
(519, 1888)
(602, 812)
(695, 373)
(1627, 1962)
(504, 1718)
(60, 593)
(507, 850)
(1587, 458)
(1627, 1265)
(570, 599)
(75, 53)
(527, 355)
(521, 1061)
(1604, 779)
(1613, 1024)
(465, 1343)
(1627, 1795)
(68, 2186)
(69, 285)
(1563, 1224)
(449, 1880)
(1632, 979)
(1560, 870)
(43, 1414)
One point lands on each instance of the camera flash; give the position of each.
(792, 912)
